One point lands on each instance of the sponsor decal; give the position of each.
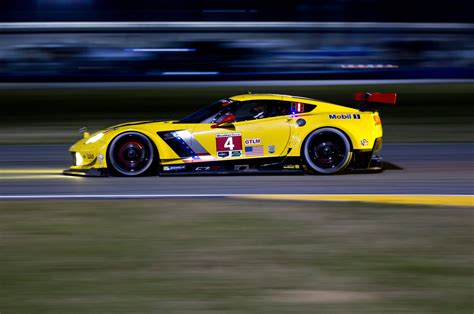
(241, 167)
(174, 168)
(229, 145)
(364, 142)
(223, 154)
(252, 141)
(225, 135)
(252, 151)
(202, 168)
(271, 149)
(344, 116)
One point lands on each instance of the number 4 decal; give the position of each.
(229, 145)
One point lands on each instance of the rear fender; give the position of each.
(360, 129)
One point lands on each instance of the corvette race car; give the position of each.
(242, 134)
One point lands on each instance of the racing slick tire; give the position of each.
(327, 151)
(131, 154)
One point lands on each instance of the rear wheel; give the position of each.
(131, 154)
(327, 151)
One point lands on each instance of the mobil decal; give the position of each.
(344, 116)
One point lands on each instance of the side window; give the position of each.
(280, 108)
(218, 116)
(252, 110)
(260, 109)
(299, 107)
(284, 108)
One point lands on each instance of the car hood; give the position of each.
(126, 124)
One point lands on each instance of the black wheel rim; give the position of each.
(131, 153)
(327, 150)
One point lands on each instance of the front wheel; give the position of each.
(327, 151)
(131, 154)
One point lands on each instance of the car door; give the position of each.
(252, 135)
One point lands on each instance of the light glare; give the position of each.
(95, 138)
(79, 159)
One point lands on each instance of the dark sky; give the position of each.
(243, 10)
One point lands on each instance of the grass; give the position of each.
(234, 256)
(424, 113)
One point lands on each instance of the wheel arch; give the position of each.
(349, 137)
(309, 165)
(146, 134)
(149, 135)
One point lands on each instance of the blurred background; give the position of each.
(93, 40)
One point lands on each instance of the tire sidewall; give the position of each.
(313, 167)
(115, 169)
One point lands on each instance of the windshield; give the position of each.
(209, 113)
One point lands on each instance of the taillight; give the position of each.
(377, 120)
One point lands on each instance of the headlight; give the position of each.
(78, 159)
(95, 138)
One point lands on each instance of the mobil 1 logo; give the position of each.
(345, 116)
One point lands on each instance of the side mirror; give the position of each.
(84, 132)
(226, 121)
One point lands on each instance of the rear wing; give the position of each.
(370, 100)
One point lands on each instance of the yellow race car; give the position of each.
(242, 134)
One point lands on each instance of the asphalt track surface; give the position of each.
(446, 169)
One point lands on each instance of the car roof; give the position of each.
(322, 104)
(245, 97)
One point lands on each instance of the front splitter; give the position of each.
(87, 172)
